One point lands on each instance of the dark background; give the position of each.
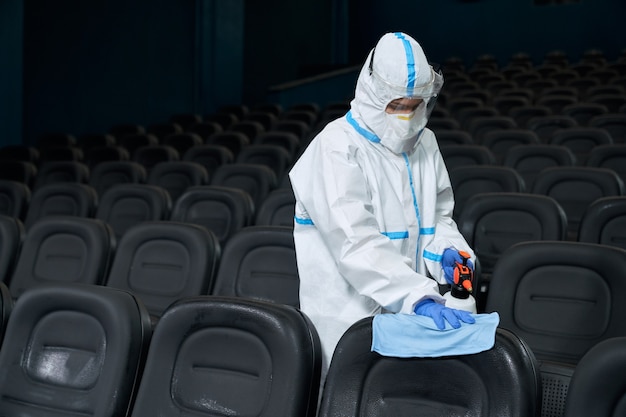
(77, 66)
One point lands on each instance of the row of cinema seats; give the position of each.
(159, 261)
(175, 176)
(232, 135)
(518, 150)
(76, 349)
(222, 209)
(522, 89)
(493, 222)
(241, 355)
(496, 148)
(574, 188)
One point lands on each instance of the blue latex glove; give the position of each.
(449, 260)
(440, 314)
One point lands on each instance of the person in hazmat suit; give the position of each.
(373, 222)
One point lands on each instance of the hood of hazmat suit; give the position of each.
(395, 69)
(373, 200)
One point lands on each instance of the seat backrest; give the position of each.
(447, 137)
(63, 250)
(164, 261)
(556, 102)
(149, 156)
(598, 387)
(12, 235)
(14, 199)
(234, 141)
(73, 350)
(209, 156)
(575, 188)
(132, 142)
(256, 180)
(467, 115)
(238, 110)
(99, 154)
(164, 129)
(231, 356)
(20, 171)
(264, 117)
(614, 123)
(289, 141)
(223, 118)
(204, 129)
(55, 139)
(493, 222)
(470, 180)
(306, 115)
(606, 86)
(122, 130)
(60, 153)
(107, 174)
(185, 120)
(19, 152)
(609, 156)
(582, 111)
(604, 222)
(61, 199)
(545, 126)
(522, 115)
(456, 104)
(182, 141)
(250, 128)
(222, 210)
(274, 157)
(583, 84)
(278, 209)
(480, 126)
(525, 78)
(501, 381)
(613, 101)
(530, 160)
(260, 262)
(581, 140)
(297, 127)
(61, 171)
(505, 104)
(439, 124)
(125, 205)
(88, 141)
(6, 307)
(463, 155)
(561, 297)
(499, 141)
(176, 176)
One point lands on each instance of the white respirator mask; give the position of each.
(403, 130)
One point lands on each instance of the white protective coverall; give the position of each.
(371, 223)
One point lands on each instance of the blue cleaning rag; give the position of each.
(409, 335)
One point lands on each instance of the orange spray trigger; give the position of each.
(464, 254)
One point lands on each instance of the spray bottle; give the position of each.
(459, 297)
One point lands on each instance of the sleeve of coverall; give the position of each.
(447, 234)
(339, 205)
